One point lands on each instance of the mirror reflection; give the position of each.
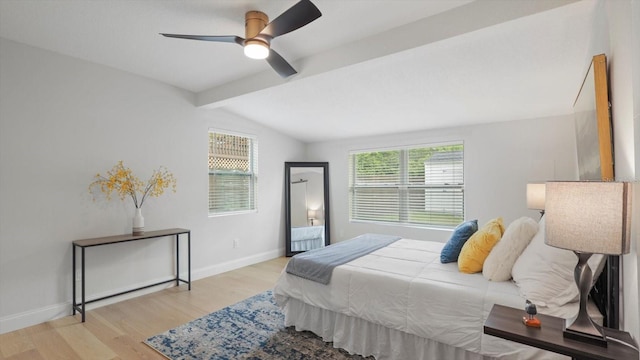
(307, 206)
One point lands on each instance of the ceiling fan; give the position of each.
(259, 32)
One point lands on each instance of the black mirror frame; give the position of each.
(287, 198)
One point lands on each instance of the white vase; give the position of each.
(138, 222)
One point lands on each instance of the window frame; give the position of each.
(254, 173)
(403, 186)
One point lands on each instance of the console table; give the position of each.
(86, 243)
(506, 322)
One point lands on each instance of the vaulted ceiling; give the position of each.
(366, 67)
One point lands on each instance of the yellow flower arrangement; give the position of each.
(122, 181)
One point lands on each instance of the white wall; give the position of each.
(632, 280)
(315, 195)
(615, 32)
(500, 159)
(623, 19)
(62, 120)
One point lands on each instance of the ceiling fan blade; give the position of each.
(294, 18)
(226, 38)
(280, 65)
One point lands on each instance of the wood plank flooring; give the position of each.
(116, 331)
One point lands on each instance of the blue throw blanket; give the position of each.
(317, 265)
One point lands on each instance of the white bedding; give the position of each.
(404, 287)
(307, 238)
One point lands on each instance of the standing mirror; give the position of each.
(307, 206)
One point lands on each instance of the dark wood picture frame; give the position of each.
(605, 129)
(593, 124)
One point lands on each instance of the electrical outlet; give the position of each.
(236, 243)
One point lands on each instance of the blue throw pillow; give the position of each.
(460, 235)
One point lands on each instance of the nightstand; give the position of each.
(506, 322)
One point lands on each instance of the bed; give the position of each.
(307, 238)
(401, 302)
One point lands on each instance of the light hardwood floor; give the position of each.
(116, 331)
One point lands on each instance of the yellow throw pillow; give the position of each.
(479, 245)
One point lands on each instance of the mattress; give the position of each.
(405, 287)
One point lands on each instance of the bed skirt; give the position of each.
(306, 244)
(358, 336)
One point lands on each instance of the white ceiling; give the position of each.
(366, 67)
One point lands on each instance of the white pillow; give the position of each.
(544, 273)
(498, 265)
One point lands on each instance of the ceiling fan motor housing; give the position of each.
(255, 21)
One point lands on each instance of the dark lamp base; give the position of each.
(583, 328)
(585, 337)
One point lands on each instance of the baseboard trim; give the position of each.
(235, 264)
(34, 317)
(47, 313)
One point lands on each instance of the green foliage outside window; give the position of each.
(415, 186)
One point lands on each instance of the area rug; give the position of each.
(251, 329)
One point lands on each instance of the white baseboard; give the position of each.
(52, 312)
(34, 317)
(235, 264)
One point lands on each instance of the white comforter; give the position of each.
(405, 287)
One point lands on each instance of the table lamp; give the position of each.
(535, 197)
(587, 218)
(311, 214)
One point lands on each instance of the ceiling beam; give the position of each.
(461, 20)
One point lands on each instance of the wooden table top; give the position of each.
(506, 322)
(128, 237)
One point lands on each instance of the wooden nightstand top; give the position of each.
(506, 322)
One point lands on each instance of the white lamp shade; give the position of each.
(311, 214)
(589, 217)
(256, 49)
(535, 196)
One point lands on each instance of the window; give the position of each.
(413, 185)
(233, 173)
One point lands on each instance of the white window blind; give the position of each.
(413, 185)
(233, 173)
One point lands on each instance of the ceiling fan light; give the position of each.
(256, 49)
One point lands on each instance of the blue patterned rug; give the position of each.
(251, 329)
